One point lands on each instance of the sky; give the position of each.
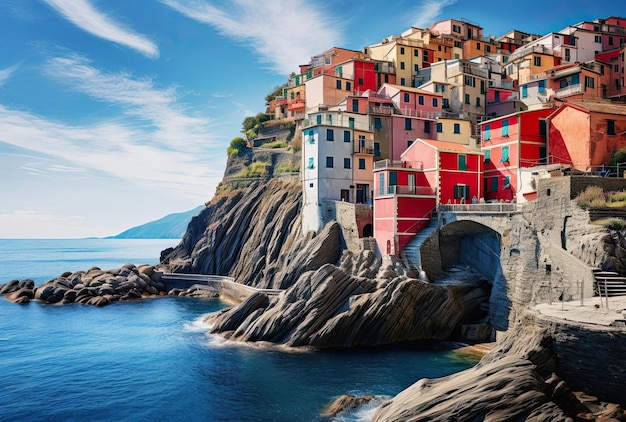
(114, 113)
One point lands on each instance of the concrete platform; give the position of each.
(593, 311)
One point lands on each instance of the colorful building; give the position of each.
(585, 133)
(509, 144)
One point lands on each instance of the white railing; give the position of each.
(568, 90)
(406, 190)
(486, 208)
(382, 164)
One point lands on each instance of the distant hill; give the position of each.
(172, 226)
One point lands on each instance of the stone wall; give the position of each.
(351, 217)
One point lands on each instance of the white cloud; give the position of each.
(140, 99)
(82, 14)
(429, 10)
(154, 143)
(285, 33)
(5, 74)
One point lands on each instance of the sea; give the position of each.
(154, 360)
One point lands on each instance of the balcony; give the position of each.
(384, 68)
(418, 113)
(388, 111)
(405, 190)
(568, 90)
(397, 164)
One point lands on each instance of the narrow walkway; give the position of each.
(226, 286)
(593, 311)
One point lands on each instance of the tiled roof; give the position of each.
(600, 106)
(448, 146)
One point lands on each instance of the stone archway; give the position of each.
(368, 230)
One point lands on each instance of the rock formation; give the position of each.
(254, 235)
(518, 381)
(328, 308)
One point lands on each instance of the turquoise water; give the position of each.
(153, 360)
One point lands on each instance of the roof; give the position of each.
(599, 106)
(448, 146)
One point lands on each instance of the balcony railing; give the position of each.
(383, 164)
(487, 208)
(568, 90)
(405, 190)
(418, 113)
(382, 110)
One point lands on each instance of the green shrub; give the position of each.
(296, 144)
(614, 224)
(617, 196)
(273, 145)
(237, 146)
(287, 169)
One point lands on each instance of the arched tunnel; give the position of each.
(470, 243)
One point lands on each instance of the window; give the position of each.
(445, 103)
(537, 61)
(401, 50)
(402, 81)
(439, 127)
(507, 181)
(486, 132)
(330, 135)
(407, 97)
(496, 96)
(589, 82)
(426, 127)
(505, 155)
(345, 195)
(409, 143)
(416, 67)
(420, 99)
(351, 122)
(329, 119)
(318, 119)
(494, 184)
(361, 81)
(416, 53)
(381, 183)
(346, 136)
(377, 149)
(378, 124)
(458, 44)
(435, 102)
(456, 28)
(610, 127)
(541, 87)
(361, 163)
(348, 86)
(469, 80)
(407, 124)
(467, 99)
(488, 48)
(457, 128)
(487, 153)
(477, 101)
(355, 106)
(542, 127)
(461, 191)
(346, 163)
(311, 163)
(338, 84)
(505, 128)
(402, 65)
(482, 87)
(462, 163)
(524, 91)
(478, 46)
(567, 55)
(610, 40)
(598, 39)
(426, 55)
(330, 162)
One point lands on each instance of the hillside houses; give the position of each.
(445, 114)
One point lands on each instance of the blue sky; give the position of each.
(114, 113)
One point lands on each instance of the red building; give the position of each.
(407, 191)
(585, 133)
(510, 143)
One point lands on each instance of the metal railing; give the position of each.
(486, 208)
(405, 190)
(382, 164)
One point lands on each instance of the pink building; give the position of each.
(408, 190)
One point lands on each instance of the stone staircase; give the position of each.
(411, 252)
(608, 283)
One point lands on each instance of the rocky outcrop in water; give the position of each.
(254, 235)
(520, 380)
(328, 308)
(92, 287)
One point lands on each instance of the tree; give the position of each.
(237, 146)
